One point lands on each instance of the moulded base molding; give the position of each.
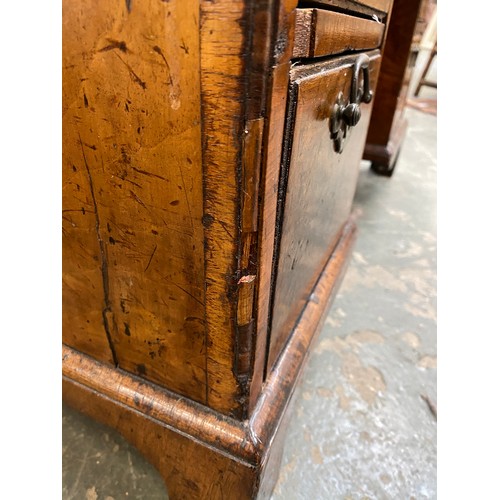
(384, 157)
(200, 453)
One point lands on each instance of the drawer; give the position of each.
(365, 7)
(321, 33)
(317, 183)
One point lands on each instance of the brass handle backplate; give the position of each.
(346, 113)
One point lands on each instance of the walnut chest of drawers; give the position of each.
(210, 156)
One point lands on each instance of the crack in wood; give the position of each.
(104, 262)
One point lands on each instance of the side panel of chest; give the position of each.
(133, 244)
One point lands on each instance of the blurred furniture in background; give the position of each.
(424, 75)
(423, 79)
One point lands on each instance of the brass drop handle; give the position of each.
(362, 62)
(346, 114)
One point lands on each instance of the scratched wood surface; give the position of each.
(223, 36)
(239, 43)
(133, 249)
(318, 186)
(320, 33)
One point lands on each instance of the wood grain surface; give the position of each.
(132, 189)
(224, 40)
(321, 33)
(317, 186)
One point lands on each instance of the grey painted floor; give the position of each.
(361, 427)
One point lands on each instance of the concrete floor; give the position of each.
(361, 428)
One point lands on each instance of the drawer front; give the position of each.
(317, 185)
(321, 33)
